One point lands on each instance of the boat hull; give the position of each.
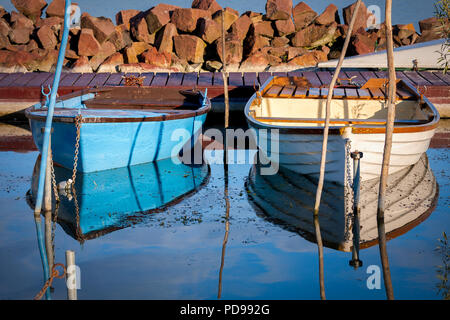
(301, 153)
(110, 145)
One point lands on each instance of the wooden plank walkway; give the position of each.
(27, 86)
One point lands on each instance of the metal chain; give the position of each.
(78, 122)
(348, 191)
(48, 283)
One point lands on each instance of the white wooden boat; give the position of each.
(287, 199)
(296, 111)
(421, 55)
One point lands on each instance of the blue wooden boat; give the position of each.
(114, 199)
(121, 126)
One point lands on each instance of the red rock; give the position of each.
(82, 65)
(429, 24)
(124, 17)
(211, 5)
(279, 42)
(134, 50)
(165, 38)
(30, 8)
(363, 44)
(309, 59)
(120, 38)
(111, 63)
(428, 35)
(55, 23)
(189, 47)
(233, 50)
(241, 27)
(107, 49)
(230, 15)
(87, 44)
(160, 59)
(329, 15)
(185, 19)
(284, 27)
(56, 8)
(254, 16)
(71, 54)
(139, 29)
(159, 16)
(314, 36)
(102, 27)
(47, 60)
(362, 17)
(303, 16)
(279, 9)
(263, 28)
(4, 27)
(255, 62)
(295, 52)
(4, 41)
(20, 35)
(254, 42)
(47, 38)
(209, 30)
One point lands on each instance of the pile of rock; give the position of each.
(170, 38)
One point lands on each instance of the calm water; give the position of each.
(176, 253)
(404, 11)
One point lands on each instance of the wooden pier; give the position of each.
(27, 86)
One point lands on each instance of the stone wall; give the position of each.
(170, 38)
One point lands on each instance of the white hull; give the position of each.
(301, 153)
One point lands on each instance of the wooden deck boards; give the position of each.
(12, 85)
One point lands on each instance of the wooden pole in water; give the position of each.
(224, 73)
(387, 153)
(325, 144)
(71, 275)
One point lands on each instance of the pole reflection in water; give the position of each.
(227, 217)
(114, 199)
(287, 199)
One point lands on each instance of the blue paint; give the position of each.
(108, 197)
(105, 146)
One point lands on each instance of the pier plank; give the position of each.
(443, 77)
(22, 80)
(416, 78)
(114, 79)
(40, 78)
(432, 78)
(359, 78)
(218, 79)
(295, 73)
(160, 79)
(338, 93)
(301, 92)
(190, 80)
(312, 78)
(205, 79)
(363, 93)
(148, 78)
(314, 93)
(6, 81)
(263, 77)
(351, 93)
(250, 79)
(235, 79)
(69, 79)
(100, 79)
(84, 80)
(325, 77)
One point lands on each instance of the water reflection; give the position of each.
(287, 199)
(114, 199)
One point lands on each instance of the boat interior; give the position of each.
(292, 101)
(140, 98)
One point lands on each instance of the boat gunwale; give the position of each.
(339, 130)
(169, 114)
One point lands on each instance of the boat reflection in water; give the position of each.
(288, 199)
(113, 199)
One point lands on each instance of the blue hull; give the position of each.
(111, 145)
